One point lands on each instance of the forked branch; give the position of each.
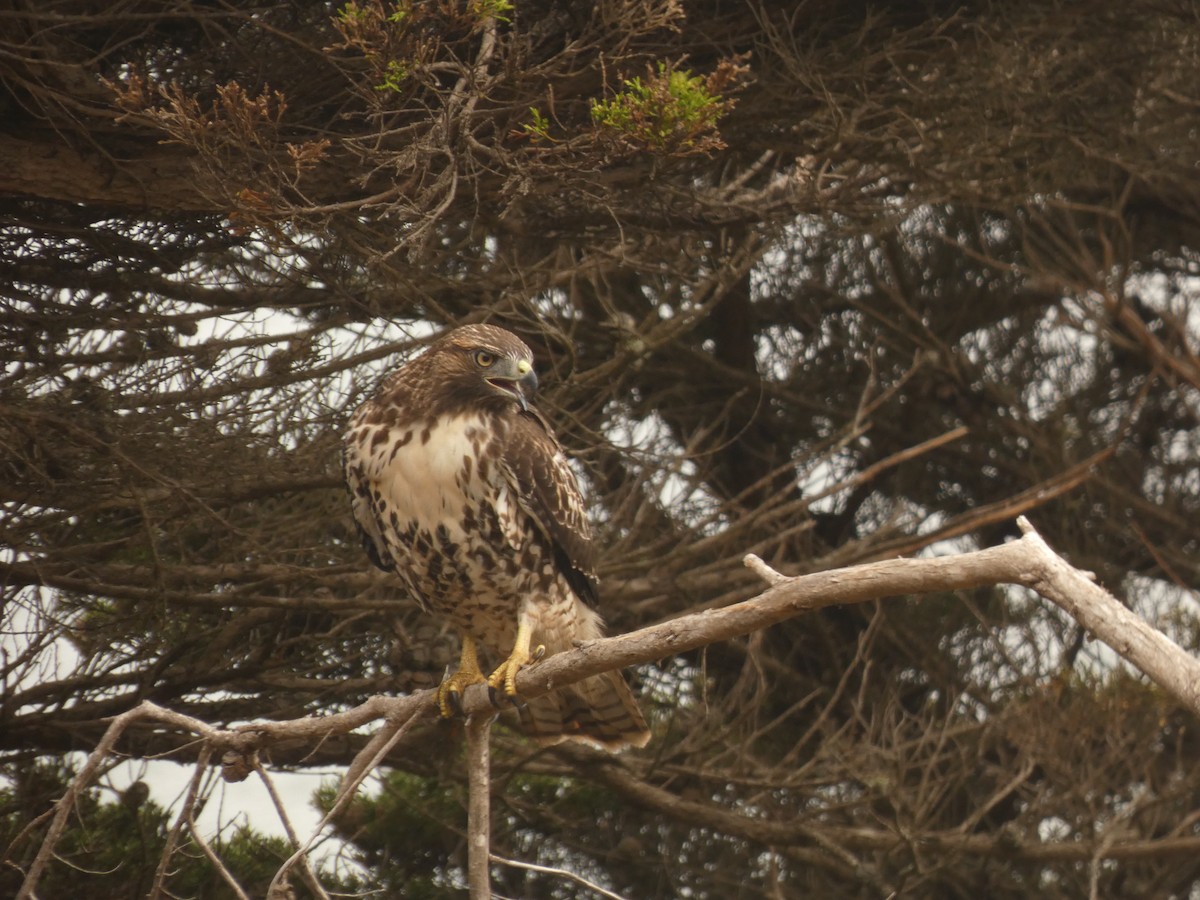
(1028, 561)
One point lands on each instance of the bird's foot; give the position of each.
(450, 691)
(503, 681)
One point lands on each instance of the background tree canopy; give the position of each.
(828, 282)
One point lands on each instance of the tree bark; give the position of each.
(479, 823)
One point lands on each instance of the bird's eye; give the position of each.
(484, 359)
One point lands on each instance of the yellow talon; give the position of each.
(505, 676)
(449, 692)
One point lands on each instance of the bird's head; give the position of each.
(487, 366)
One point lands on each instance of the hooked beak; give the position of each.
(517, 378)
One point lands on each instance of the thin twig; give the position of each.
(159, 888)
(368, 758)
(215, 860)
(67, 802)
(561, 873)
(310, 877)
(365, 762)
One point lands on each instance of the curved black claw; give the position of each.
(498, 699)
(454, 701)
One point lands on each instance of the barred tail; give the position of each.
(600, 710)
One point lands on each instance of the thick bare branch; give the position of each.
(1028, 562)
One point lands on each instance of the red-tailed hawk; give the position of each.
(460, 488)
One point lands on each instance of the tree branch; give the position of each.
(479, 824)
(1028, 561)
(155, 177)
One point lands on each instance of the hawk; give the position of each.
(460, 488)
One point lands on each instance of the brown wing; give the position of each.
(358, 469)
(545, 486)
(360, 505)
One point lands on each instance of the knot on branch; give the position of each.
(240, 757)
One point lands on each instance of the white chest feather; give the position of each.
(433, 474)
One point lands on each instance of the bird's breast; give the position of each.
(442, 499)
(452, 523)
(434, 471)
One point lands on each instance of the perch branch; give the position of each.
(1028, 561)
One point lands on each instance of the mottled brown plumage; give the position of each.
(460, 488)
